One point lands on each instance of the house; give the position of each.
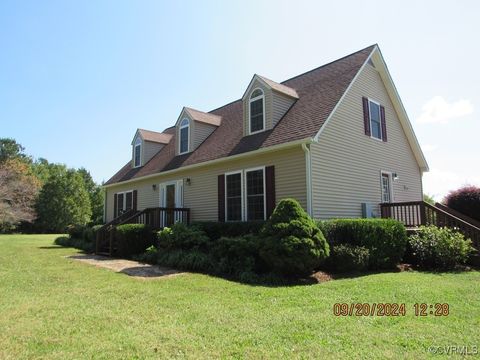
(336, 138)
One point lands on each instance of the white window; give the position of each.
(257, 111)
(245, 195)
(137, 153)
(184, 135)
(375, 119)
(386, 187)
(124, 202)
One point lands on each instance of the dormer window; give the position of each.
(257, 111)
(137, 153)
(184, 136)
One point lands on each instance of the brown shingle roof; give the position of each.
(204, 117)
(154, 136)
(319, 90)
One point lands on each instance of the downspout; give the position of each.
(308, 166)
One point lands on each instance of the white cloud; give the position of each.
(438, 110)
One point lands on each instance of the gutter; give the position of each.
(224, 159)
(308, 167)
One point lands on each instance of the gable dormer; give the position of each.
(146, 144)
(192, 128)
(264, 104)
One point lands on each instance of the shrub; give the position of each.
(237, 256)
(465, 200)
(385, 239)
(150, 256)
(132, 239)
(216, 230)
(90, 233)
(193, 260)
(183, 237)
(292, 242)
(345, 257)
(76, 231)
(63, 241)
(77, 243)
(439, 248)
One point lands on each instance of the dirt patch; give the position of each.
(128, 267)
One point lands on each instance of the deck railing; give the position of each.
(416, 213)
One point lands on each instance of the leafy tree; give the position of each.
(63, 201)
(96, 195)
(44, 169)
(465, 200)
(18, 191)
(293, 243)
(429, 199)
(10, 149)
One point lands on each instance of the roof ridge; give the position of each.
(329, 63)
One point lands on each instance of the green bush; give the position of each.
(385, 239)
(345, 257)
(90, 233)
(292, 242)
(193, 260)
(216, 230)
(132, 239)
(150, 256)
(63, 241)
(439, 248)
(77, 243)
(237, 256)
(76, 231)
(183, 237)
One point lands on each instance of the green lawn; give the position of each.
(54, 307)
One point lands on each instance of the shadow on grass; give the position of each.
(51, 247)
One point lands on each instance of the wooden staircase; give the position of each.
(156, 218)
(417, 213)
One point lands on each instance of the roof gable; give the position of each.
(152, 136)
(270, 84)
(200, 116)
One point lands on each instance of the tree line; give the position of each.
(39, 196)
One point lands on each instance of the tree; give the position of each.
(96, 195)
(429, 199)
(18, 191)
(10, 149)
(465, 200)
(63, 201)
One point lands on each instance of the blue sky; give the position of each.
(77, 78)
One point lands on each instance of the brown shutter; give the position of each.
(270, 189)
(384, 124)
(134, 200)
(115, 214)
(221, 198)
(366, 116)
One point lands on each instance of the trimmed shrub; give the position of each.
(216, 230)
(237, 256)
(76, 231)
(150, 256)
(90, 233)
(132, 239)
(76, 243)
(183, 237)
(193, 260)
(292, 242)
(439, 248)
(465, 200)
(385, 239)
(346, 257)
(63, 241)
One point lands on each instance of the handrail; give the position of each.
(458, 214)
(434, 208)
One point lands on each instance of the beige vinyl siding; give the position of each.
(200, 132)
(281, 103)
(202, 195)
(268, 106)
(346, 164)
(150, 149)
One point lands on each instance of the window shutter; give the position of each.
(270, 189)
(366, 116)
(221, 198)
(115, 207)
(134, 200)
(384, 124)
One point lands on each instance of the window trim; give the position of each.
(264, 192)
(241, 195)
(137, 143)
(244, 194)
(370, 119)
(124, 205)
(250, 100)
(390, 179)
(180, 137)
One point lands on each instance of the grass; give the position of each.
(56, 308)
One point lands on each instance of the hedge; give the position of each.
(133, 239)
(216, 230)
(385, 239)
